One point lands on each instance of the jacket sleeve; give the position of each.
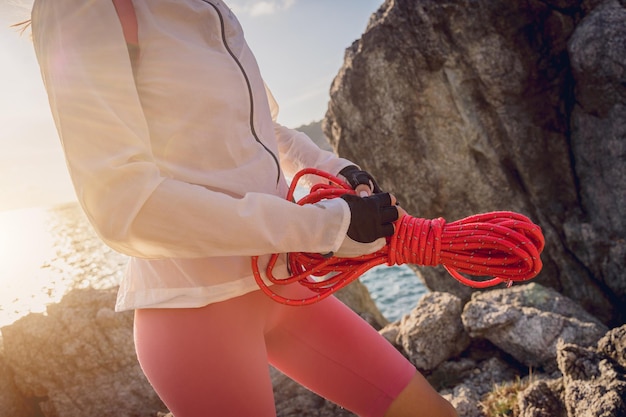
(298, 151)
(134, 207)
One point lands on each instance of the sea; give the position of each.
(47, 252)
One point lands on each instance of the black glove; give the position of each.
(371, 220)
(372, 217)
(355, 177)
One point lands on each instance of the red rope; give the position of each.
(503, 245)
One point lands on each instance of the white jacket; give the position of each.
(181, 170)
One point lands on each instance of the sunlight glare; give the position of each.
(25, 246)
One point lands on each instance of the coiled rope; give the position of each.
(503, 245)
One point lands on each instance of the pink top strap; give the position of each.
(126, 13)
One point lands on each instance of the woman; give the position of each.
(178, 162)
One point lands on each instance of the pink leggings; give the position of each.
(213, 360)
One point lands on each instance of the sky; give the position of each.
(299, 45)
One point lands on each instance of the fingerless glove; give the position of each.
(371, 220)
(355, 177)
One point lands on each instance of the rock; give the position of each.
(461, 107)
(528, 321)
(489, 373)
(541, 399)
(466, 396)
(613, 345)
(12, 402)
(433, 332)
(78, 358)
(451, 373)
(391, 332)
(594, 385)
(465, 401)
(597, 51)
(592, 382)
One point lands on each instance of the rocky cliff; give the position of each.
(461, 107)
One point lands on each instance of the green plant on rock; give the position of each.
(501, 401)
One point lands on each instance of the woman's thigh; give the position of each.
(334, 352)
(207, 361)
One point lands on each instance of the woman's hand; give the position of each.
(372, 220)
(361, 181)
(365, 185)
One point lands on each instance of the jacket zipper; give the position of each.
(249, 85)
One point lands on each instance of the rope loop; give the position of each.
(416, 241)
(502, 245)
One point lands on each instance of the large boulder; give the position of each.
(432, 332)
(597, 51)
(528, 322)
(78, 358)
(461, 107)
(12, 402)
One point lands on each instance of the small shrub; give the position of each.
(501, 401)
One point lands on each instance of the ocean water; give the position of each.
(396, 290)
(46, 252)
